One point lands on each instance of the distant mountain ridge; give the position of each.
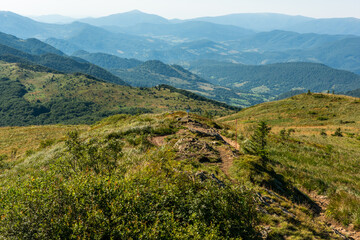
(190, 40)
(190, 30)
(53, 18)
(31, 45)
(257, 21)
(152, 73)
(272, 21)
(125, 19)
(14, 53)
(108, 61)
(276, 79)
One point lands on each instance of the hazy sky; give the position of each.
(183, 8)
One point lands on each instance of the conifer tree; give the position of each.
(256, 145)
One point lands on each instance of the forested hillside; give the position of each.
(35, 95)
(278, 78)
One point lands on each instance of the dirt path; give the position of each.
(226, 154)
(344, 232)
(227, 158)
(231, 142)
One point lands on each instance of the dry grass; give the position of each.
(16, 141)
(311, 157)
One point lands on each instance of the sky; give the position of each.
(183, 9)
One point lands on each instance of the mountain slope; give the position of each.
(257, 21)
(19, 26)
(107, 61)
(152, 73)
(191, 30)
(58, 62)
(54, 18)
(36, 96)
(161, 167)
(283, 40)
(314, 141)
(271, 21)
(278, 78)
(354, 93)
(31, 46)
(95, 39)
(349, 26)
(125, 19)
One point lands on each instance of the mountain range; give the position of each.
(134, 126)
(259, 22)
(231, 83)
(235, 84)
(234, 38)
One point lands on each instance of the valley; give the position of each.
(137, 126)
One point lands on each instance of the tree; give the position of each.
(256, 145)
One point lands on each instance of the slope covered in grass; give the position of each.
(314, 142)
(33, 95)
(114, 182)
(171, 175)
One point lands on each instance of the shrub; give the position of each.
(46, 143)
(322, 118)
(323, 133)
(286, 134)
(98, 155)
(155, 202)
(337, 133)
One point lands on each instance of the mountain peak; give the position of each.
(136, 11)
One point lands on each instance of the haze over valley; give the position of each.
(219, 122)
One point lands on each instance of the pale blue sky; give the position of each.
(184, 8)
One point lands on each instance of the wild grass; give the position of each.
(62, 191)
(314, 157)
(15, 142)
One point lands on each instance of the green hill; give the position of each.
(36, 95)
(314, 142)
(107, 61)
(152, 73)
(155, 176)
(57, 62)
(31, 45)
(275, 79)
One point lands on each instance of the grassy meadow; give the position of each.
(314, 143)
(170, 176)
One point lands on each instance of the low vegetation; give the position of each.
(276, 79)
(320, 155)
(181, 176)
(99, 184)
(33, 96)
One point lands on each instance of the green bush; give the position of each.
(75, 198)
(337, 133)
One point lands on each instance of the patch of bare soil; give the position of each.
(231, 142)
(195, 148)
(226, 154)
(158, 141)
(227, 158)
(342, 231)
